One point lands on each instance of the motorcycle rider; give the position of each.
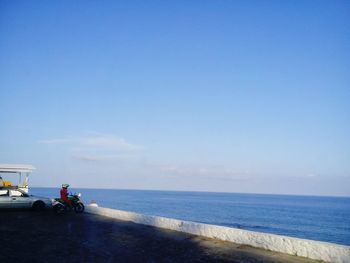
(64, 194)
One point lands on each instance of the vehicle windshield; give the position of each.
(4, 192)
(12, 179)
(18, 193)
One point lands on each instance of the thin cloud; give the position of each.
(86, 158)
(56, 141)
(97, 141)
(102, 158)
(312, 175)
(205, 173)
(96, 147)
(108, 142)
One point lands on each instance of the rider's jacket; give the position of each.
(64, 193)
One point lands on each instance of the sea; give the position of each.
(311, 217)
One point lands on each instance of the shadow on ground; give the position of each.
(27, 236)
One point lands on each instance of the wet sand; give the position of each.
(27, 236)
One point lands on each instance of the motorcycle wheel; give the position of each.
(59, 209)
(38, 206)
(79, 208)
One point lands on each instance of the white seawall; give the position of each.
(327, 252)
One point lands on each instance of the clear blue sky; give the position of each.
(234, 96)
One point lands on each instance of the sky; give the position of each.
(222, 96)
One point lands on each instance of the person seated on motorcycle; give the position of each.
(64, 194)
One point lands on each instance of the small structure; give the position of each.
(93, 203)
(22, 170)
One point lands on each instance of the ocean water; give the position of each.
(310, 217)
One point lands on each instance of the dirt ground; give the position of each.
(27, 236)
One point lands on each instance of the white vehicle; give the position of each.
(13, 197)
(7, 172)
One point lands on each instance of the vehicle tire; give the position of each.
(79, 208)
(38, 206)
(59, 209)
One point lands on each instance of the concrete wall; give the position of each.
(295, 246)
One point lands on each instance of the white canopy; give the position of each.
(16, 168)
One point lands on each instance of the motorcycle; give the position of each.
(60, 206)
